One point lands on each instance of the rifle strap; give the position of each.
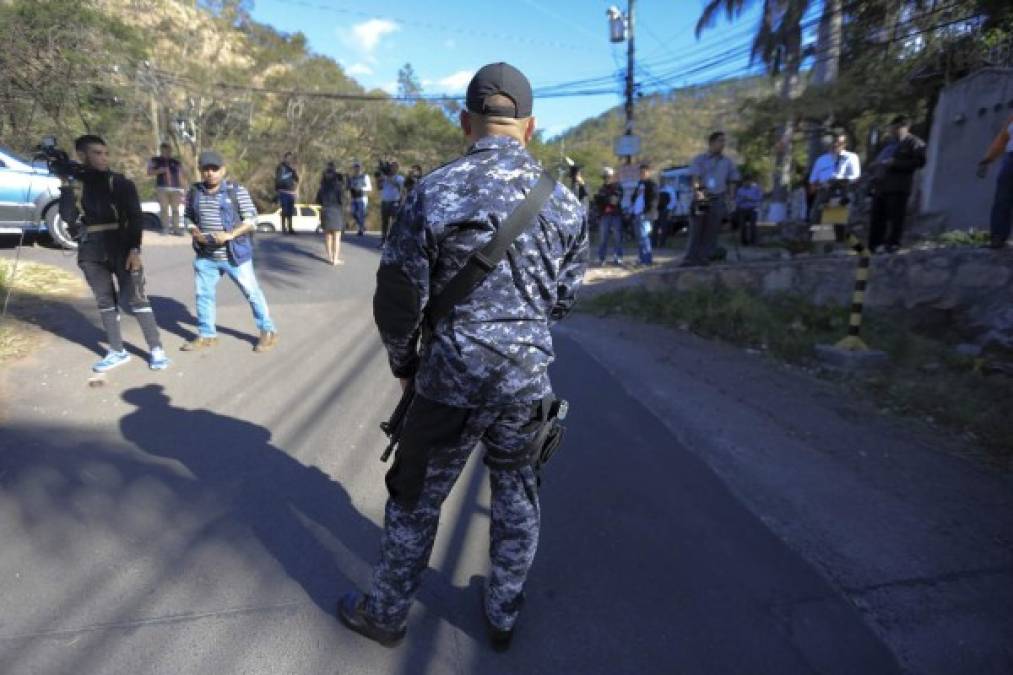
(484, 261)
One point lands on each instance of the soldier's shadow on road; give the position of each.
(292, 509)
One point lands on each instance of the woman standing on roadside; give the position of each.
(332, 185)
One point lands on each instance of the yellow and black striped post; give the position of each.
(853, 342)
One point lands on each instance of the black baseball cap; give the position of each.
(500, 78)
(210, 158)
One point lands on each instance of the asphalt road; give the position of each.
(205, 519)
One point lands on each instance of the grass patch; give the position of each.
(37, 280)
(962, 238)
(925, 378)
(30, 287)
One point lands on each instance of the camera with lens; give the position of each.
(837, 192)
(57, 160)
(700, 207)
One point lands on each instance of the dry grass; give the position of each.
(31, 285)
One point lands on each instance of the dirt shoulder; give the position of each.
(913, 532)
(34, 290)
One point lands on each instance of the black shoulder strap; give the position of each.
(484, 261)
(112, 197)
(193, 201)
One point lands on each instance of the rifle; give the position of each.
(395, 425)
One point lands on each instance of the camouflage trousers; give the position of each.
(435, 446)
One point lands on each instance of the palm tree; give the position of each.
(778, 43)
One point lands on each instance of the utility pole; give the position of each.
(630, 65)
(622, 28)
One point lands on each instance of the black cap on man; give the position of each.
(505, 80)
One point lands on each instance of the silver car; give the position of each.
(29, 201)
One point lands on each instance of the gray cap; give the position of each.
(210, 158)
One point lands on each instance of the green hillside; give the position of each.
(137, 68)
(673, 127)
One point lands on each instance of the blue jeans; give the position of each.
(359, 214)
(1002, 206)
(207, 272)
(608, 224)
(644, 227)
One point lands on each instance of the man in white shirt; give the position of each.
(836, 165)
(833, 172)
(359, 186)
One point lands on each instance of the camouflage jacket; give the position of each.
(494, 349)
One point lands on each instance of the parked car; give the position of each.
(29, 199)
(306, 219)
(152, 216)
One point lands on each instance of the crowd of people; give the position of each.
(720, 194)
(343, 198)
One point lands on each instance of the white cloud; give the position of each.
(450, 43)
(456, 81)
(358, 69)
(365, 37)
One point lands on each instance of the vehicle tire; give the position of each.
(265, 227)
(319, 230)
(152, 222)
(57, 228)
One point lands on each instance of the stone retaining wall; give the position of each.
(974, 287)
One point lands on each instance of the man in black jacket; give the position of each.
(286, 184)
(109, 253)
(893, 171)
(644, 207)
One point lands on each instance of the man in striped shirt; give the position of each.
(220, 216)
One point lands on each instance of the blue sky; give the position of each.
(552, 41)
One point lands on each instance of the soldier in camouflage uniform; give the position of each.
(480, 372)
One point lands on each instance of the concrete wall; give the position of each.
(969, 114)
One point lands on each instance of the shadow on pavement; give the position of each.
(269, 491)
(174, 317)
(66, 320)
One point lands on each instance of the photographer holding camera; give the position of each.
(109, 221)
(714, 180)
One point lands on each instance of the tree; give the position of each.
(408, 85)
(778, 42)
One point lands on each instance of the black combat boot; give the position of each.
(498, 638)
(352, 612)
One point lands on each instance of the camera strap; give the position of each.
(484, 261)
